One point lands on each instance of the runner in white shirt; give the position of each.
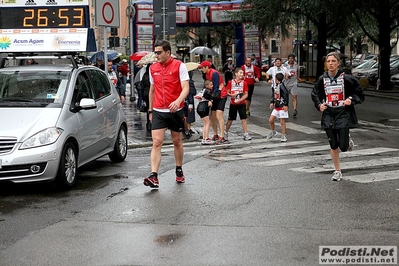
(277, 68)
(292, 82)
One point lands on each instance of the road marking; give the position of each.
(367, 163)
(356, 153)
(378, 125)
(352, 129)
(303, 129)
(227, 155)
(373, 177)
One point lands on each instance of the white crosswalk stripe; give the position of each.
(366, 163)
(303, 156)
(310, 158)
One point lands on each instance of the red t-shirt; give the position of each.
(238, 88)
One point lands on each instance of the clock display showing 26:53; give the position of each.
(44, 17)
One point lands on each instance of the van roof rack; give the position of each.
(74, 57)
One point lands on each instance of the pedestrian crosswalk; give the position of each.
(308, 156)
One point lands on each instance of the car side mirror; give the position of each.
(87, 103)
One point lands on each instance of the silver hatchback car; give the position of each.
(55, 118)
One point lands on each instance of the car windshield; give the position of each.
(358, 56)
(28, 88)
(394, 63)
(366, 64)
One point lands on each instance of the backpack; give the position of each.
(145, 81)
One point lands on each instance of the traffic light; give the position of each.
(114, 31)
(114, 42)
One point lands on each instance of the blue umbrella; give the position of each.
(111, 54)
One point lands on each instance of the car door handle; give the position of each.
(114, 101)
(100, 110)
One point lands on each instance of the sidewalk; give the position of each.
(139, 137)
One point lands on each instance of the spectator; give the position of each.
(228, 69)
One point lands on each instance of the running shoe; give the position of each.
(272, 134)
(188, 134)
(351, 144)
(226, 135)
(248, 112)
(222, 140)
(336, 176)
(247, 136)
(283, 138)
(151, 181)
(207, 141)
(215, 137)
(180, 177)
(295, 112)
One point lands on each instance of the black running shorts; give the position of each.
(172, 121)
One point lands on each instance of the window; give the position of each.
(100, 83)
(274, 47)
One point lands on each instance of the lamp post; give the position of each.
(297, 13)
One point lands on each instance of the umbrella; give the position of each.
(149, 58)
(203, 50)
(191, 66)
(111, 54)
(138, 55)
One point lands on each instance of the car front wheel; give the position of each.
(120, 149)
(67, 169)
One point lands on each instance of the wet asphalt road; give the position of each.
(229, 212)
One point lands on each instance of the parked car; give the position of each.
(372, 73)
(56, 118)
(265, 65)
(360, 58)
(395, 80)
(365, 65)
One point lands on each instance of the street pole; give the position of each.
(130, 12)
(164, 19)
(105, 50)
(297, 11)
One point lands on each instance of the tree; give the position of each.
(327, 18)
(210, 36)
(384, 15)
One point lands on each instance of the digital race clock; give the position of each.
(44, 17)
(44, 25)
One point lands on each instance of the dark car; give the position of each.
(360, 58)
(395, 79)
(372, 73)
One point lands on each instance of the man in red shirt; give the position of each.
(251, 75)
(124, 70)
(219, 100)
(169, 87)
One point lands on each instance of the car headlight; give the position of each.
(44, 137)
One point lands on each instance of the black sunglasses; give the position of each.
(158, 52)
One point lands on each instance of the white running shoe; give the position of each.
(207, 141)
(351, 144)
(247, 136)
(283, 138)
(226, 135)
(271, 134)
(336, 176)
